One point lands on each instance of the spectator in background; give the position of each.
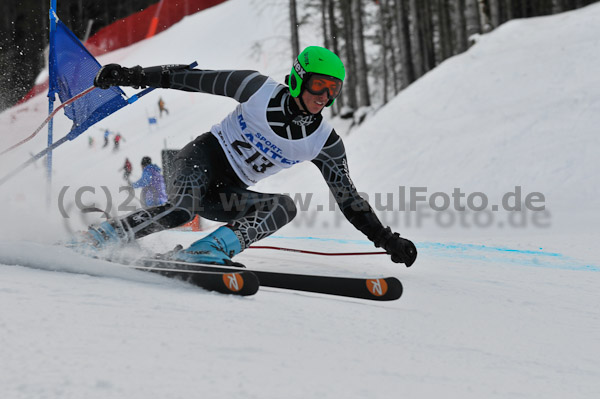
(106, 136)
(152, 183)
(126, 169)
(117, 141)
(161, 107)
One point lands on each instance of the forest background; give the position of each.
(387, 44)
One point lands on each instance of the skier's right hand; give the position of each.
(116, 75)
(401, 250)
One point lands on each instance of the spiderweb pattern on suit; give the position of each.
(271, 215)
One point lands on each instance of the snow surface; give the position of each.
(503, 306)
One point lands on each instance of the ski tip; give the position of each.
(384, 289)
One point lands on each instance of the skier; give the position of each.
(117, 140)
(126, 169)
(161, 107)
(273, 127)
(152, 184)
(106, 136)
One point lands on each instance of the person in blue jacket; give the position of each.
(152, 183)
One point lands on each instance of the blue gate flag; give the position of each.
(72, 70)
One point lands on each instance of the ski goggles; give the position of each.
(318, 84)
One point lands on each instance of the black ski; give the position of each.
(234, 282)
(377, 289)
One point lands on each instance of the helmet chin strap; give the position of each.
(304, 107)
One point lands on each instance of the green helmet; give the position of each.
(314, 60)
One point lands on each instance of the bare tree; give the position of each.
(446, 37)
(416, 39)
(472, 18)
(324, 23)
(350, 82)
(294, 28)
(557, 6)
(495, 12)
(426, 24)
(333, 28)
(484, 16)
(327, 36)
(333, 31)
(508, 9)
(389, 42)
(404, 42)
(364, 99)
(383, 32)
(460, 26)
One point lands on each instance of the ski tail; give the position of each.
(243, 283)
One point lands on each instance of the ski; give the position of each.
(235, 282)
(377, 289)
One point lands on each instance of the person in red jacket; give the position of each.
(126, 169)
(117, 141)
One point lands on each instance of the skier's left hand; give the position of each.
(401, 249)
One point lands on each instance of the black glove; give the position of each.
(116, 75)
(401, 249)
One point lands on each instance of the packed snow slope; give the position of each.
(499, 304)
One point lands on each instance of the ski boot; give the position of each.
(216, 248)
(96, 239)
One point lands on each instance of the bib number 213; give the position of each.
(251, 156)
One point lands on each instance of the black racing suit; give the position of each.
(204, 182)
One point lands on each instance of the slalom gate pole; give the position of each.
(302, 251)
(52, 91)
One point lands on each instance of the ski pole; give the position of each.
(61, 106)
(302, 251)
